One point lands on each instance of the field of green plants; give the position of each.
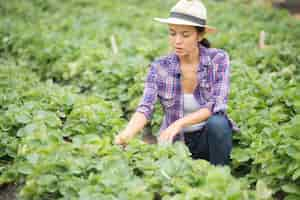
(71, 75)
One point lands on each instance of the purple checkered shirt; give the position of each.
(163, 82)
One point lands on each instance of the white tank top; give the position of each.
(191, 105)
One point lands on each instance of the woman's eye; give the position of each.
(186, 35)
(172, 33)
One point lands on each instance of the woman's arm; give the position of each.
(194, 118)
(136, 124)
(144, 110)
(190, 119)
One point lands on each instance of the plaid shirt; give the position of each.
(163, 82)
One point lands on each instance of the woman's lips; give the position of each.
(178, 49)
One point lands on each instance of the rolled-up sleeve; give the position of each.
(221, 83)
(147, 102)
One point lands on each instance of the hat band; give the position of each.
(196, 20)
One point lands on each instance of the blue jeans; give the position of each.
(213, 142)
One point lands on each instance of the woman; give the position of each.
(192, 85)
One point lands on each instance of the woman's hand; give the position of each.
(168, 134)
(136, 123)
(123, 138)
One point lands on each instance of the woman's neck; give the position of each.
(190, 58)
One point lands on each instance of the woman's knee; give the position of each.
(218, 126)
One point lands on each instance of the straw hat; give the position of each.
(188, 12)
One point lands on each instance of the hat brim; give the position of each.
(171, 20)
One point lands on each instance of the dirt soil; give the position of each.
(291, 6)
(8, 192)
(297, 16)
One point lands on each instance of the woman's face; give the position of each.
(184, 39)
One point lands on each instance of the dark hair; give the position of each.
(204, 41)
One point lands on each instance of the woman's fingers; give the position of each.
(169, 133)
(117, 140)
(120, 140)
(123, 138)
(165, 139)
(170, 137)
(162, 136)
(166, 136)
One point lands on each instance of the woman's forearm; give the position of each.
(194, 118)
(136, 124)
(190, 119)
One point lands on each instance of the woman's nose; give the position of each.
(178, 39)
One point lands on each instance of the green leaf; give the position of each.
(291, 188)
(296, 174)
(263, 192)
(33, 158)
(241, 155)
(23, 118)
(292, 197)
(25, 168)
